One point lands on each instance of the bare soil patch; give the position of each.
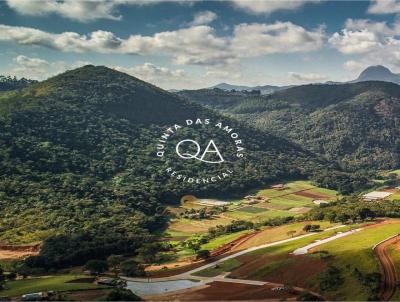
(10, 252)
(296, 272)
(227, 291)
(313, 195)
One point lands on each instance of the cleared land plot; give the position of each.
(223, 267)
(355, 251)
(252, 210)
(262, 264)
(273, 234)
(229, 291)
(47, 283)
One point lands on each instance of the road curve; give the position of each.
(388, 270)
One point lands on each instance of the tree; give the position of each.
(96, 266)
(131, 268)
(122, 295)
(203, 254)
(148, 252)
(2, 278)
(114, 262)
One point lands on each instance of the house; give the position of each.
(318, 201)
(376, 196)
(278, 187)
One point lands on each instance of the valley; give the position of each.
(89, 212)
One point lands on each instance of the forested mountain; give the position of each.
(354, 124)
(77, 159)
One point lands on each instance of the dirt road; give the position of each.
(389, 280)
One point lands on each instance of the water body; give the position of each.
(161, 287)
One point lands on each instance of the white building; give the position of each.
(318, 202)
(376, 195)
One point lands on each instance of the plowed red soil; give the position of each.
(298, 271)
(312, 195)
(225, 291)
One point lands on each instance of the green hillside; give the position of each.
(78, 164)
(355, 124)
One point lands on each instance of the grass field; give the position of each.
(221, 240)
(225, 266)
(296, 194)
(355, 251)
(46, 283)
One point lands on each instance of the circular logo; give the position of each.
(200, 151)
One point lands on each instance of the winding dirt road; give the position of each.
(389, 279)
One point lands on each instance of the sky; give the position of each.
(196, 44)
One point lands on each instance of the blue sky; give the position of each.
(194, 44)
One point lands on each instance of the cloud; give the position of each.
(355, 66)
(281, 37)
(307, 77)
(384, 7)
(151, 73)
(262, 7)
(83, 11)
(39, 69)
(374, 42)
(203, 18)
(195, 45)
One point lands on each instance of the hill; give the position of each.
(79, 165)
(354, 124)
(378, 73)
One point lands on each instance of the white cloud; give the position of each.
(39, 69)
(262, 7)
(204, 17)
(375, 43)
(354, 66)
(307, 77)
(384, 7)
(151, 73)
(281, 37)
(76, 10)
(195, 45)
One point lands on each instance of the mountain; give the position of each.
(79, 166)
(378, 73)
(354, 124)
(266, 89)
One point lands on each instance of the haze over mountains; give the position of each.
(371, 73)
(353, 124)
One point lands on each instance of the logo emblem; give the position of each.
(200, 151)
(211, 148)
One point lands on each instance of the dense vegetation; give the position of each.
(356, 125)
(12, 83)
(353, 209)
(79, 171)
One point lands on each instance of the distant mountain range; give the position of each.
(371, 73)
(266, 89)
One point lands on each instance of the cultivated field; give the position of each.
(296, 198)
